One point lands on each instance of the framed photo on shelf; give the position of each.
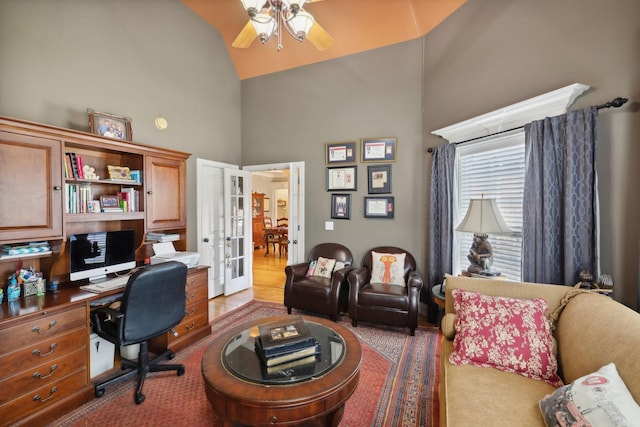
(379, 149)
(109, 202)
(379, 207)
(379, 178)
(110, 125)
(340, 153)
(341, 206)
(119, 172)
(344, 178)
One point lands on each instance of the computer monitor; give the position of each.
(94, 255)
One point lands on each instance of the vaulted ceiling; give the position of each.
(355, 25)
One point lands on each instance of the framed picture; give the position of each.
(109, 125)
(119, 172)
(379, 149)
(340, 153)
(93, 206)
(343, 178)
(379, 179)
(379, 207)
(341, 206)
(267, 204)
(109, 202)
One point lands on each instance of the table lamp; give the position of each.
(483, 217)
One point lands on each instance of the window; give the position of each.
(492, 168)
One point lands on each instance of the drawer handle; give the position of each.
(273, 420)
(38, 398)
(44, 377)
(52, 347)
(37, 330)
(189, 327)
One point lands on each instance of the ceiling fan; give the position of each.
(268, 17)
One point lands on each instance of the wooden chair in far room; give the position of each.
(153, 303)
(270, 238)
(386, 289)
(320, 290)
(283, 241)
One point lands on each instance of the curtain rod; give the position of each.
(618, 102)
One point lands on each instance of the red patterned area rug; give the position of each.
(398, 382)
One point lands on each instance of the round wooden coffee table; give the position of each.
(240, 394)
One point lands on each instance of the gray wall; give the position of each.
(121, 56)
(490, 54)
(291, 115)
(58, 58)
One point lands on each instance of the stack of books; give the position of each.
(286, 345)
(163, 237)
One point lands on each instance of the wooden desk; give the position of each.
(49, 335)
(315, 402)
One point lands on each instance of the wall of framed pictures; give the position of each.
(342, 175)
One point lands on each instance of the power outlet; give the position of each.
(328, 225)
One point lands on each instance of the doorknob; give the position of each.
(206, 240)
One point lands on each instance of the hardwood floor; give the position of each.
(268, 285)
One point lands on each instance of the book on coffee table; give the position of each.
(284, 341)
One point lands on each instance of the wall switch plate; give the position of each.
(328, 225)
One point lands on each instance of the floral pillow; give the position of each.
(388, 268)
(324, 267)
(508, 334)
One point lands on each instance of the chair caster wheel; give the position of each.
(180, 372)
(139, 398)
(170, 356)
(99, 392)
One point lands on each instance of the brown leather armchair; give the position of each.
(328, 296)
(384, 303)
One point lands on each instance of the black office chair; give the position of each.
(152, 304)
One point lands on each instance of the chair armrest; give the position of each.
(103, 314)
(415, 280)
(296, 271)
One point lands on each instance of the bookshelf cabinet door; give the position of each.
(165, 187)
(30, 187)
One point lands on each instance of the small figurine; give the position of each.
(13, 290)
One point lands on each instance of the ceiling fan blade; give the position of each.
(246, 36)
(319, 37)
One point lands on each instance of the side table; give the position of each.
(438, 298)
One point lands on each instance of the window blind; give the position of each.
(493, 168)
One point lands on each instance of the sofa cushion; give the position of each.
(597, 399)
(387, 268)
(508, 334)
(474, 396)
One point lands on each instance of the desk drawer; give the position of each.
(42, 397)
(41, 327)
(41, 375)
(43, 351)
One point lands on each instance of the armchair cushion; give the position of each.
(388, 268)
(324, 267)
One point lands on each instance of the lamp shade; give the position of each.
(483, 216)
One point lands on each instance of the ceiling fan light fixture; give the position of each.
(264, 25)
(252, 6)
(300, 24)
(296, 5)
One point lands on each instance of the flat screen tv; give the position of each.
(94, 255)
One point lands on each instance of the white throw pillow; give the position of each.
(324, 267)
(388, 268)
(600, 399)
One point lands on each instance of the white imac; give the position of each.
(94, 255)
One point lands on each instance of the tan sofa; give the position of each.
(592, 331)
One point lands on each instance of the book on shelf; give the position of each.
(26, 248)
(112, 210)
